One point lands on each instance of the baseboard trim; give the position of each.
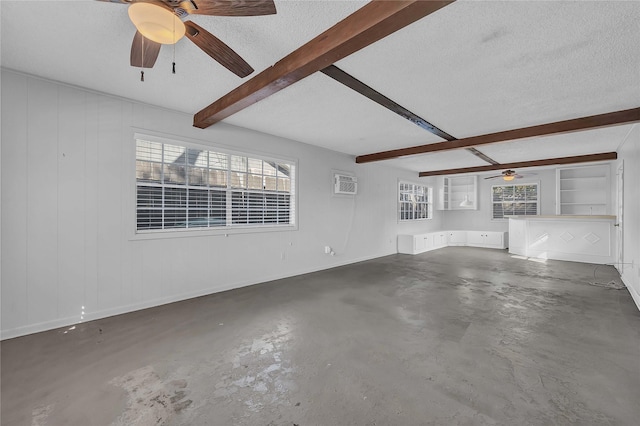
(91, 316)
(634, 293)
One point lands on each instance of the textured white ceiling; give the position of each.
(471, 68)
(320, 111)
(438, 161)
(87, 43)
(480, 67)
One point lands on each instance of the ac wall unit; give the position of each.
(344, 184)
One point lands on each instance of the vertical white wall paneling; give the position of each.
(629, 153)
(139, 292)
(90, 180)
(126, 182)
(42, 202)
(89, 195)
(14, 201)
(151, 267)
(71, 200)
(110, 163)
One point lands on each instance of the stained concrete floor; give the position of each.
(458, 336)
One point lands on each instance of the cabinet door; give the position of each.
(457, 238)
(475, 238)
(420, 243)
(493, 239)
(428, 242)
(406, 244)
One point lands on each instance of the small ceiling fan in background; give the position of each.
(161, 22)
(508, 175)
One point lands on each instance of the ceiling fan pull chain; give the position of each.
(174, 48)
(174, 59)
(142, 64)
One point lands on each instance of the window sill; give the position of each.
(217, 232)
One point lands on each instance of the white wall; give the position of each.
(68, 211)
(629, 155)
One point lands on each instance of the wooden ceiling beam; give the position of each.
(372, 22)
(358, 86)
(574, 125)
(535, 163)
(367, 91)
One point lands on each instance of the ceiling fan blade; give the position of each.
(144, 52)
(493, 177)
(214, 47)
(229, 7)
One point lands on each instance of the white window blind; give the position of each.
(515, 200)
(179, 187)
(414, 202)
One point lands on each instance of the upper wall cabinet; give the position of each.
(458, 193)
(583, 190)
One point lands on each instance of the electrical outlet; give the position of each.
(281, 255)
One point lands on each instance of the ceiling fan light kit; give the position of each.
(156, 22)
(161, 22)
(507, 175)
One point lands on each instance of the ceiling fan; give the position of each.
(507, 175)
(161, 22)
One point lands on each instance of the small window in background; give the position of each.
(414, 202)
(515, 200)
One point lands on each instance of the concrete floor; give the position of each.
(458, 336)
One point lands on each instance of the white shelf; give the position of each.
(455, 189)
(583, 190)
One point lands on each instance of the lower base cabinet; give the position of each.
(439, 239)
(487, 239)
(415, 244)
(457, 238)
(420, 243)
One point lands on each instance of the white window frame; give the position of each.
(525, 201)
(229, 227)
(409, 194)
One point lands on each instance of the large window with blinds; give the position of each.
(414, 202)
(181, 187)
(515, 200)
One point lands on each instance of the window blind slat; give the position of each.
(179, 187)
(518, 200)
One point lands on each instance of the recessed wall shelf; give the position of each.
(458, 193)
(583, 190)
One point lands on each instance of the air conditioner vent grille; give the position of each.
(344, 184)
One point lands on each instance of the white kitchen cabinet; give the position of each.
(415, 244)
(439, 239)
(457, 238)
(420, 243)
(488, 239)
